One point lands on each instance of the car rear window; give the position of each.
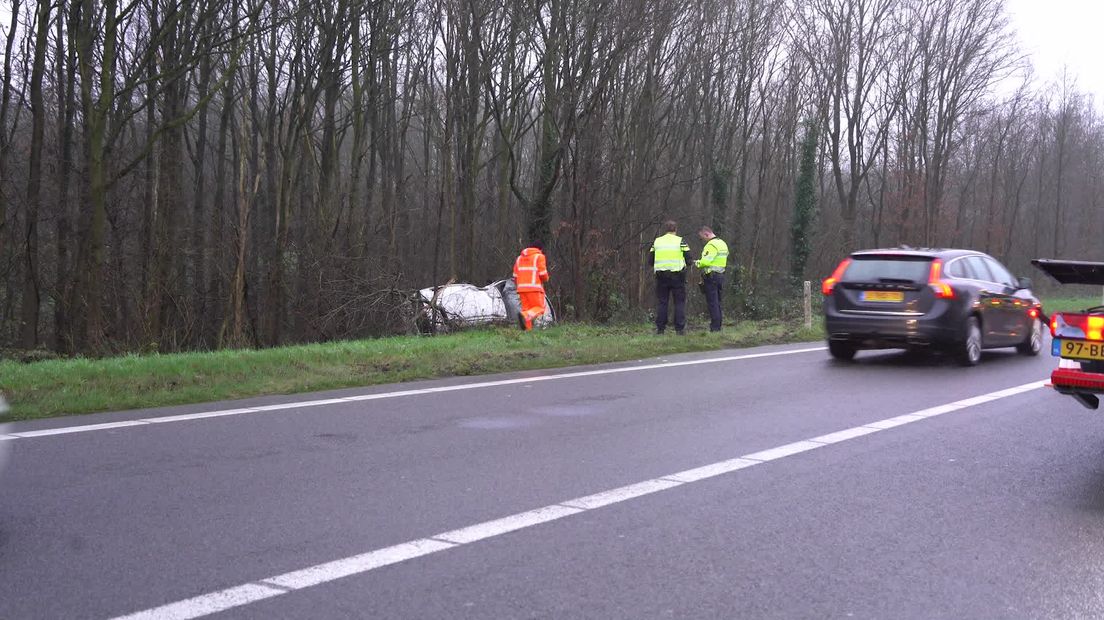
(876, 268)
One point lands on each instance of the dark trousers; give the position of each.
(670, 284)
(713, 284)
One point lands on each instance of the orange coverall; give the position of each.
(530, 270)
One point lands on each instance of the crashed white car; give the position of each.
(455, 306)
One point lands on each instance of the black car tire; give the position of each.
(1034, 343)
(841, 350)
(969, 350)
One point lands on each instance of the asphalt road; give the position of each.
(985, 508)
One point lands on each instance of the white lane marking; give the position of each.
(844, 435)
(977, 400)
(613, 496)
(198, 416)
(512, 523)
(207, 604)
(65, 430)
(900, 420)
(940, 410)
(359, 564)
(403, 393)
(7, 437)
(709, 471)
(309, 403)
(780, 452)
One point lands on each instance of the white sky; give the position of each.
(1057, 33)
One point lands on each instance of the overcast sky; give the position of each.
(1063, 32)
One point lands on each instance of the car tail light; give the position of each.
(941, 288)
(830, 282)
(1033, 313)
(1073, 325)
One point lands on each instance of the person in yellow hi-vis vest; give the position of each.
(668, 258)
(530, 272)
(712, 263)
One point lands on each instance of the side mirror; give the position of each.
(1023, 283)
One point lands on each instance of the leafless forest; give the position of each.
(183, 174)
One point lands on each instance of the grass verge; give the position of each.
(1068, 304)
(74, 386)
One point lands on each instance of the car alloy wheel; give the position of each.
(1036, 336)
(1034, 343)
(970, 353)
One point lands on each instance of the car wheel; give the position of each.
(1034, 342)
(969, 350)
(841, 350)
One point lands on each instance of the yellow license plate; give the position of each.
(884, 296)
(1081, 349)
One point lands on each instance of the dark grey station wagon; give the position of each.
(958, 301)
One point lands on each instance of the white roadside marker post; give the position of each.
(808, 290)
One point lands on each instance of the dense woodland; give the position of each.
(183, 174)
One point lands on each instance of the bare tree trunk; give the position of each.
(5, 110)
(66, 86)
(31, 292)
(87, 304)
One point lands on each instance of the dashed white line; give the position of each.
(401, 393)
(330, 571)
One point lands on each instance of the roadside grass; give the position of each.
(74, 386)
(1068, 304)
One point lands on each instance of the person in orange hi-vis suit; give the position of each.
(530, 271)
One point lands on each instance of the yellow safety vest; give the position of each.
(714, 257)
(668, 251)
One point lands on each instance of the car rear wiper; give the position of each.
(1094, 309)
(896, 281)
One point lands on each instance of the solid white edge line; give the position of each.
(305, 404)
(931, 412)
(844, 435)
(198, 416)
(709, 471)
(789, 449)
(365, 562)
(402, 393)
(65, 430)
(497, 527)
(620, 494)
(900, 420)
(206, 604)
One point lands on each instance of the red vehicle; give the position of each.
(1078, 336)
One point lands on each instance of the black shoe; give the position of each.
(659, 332)
(681, 332)
(521, 321)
